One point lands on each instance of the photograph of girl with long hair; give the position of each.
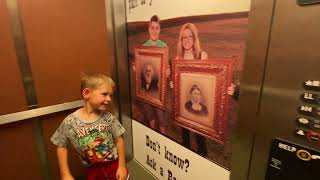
(189, 43)
(189, 48)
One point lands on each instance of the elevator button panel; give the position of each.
(311, 110)
(292, 161)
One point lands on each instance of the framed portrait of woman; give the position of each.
(150, 74)
(201, 100)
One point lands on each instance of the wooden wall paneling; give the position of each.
(18, 152)
(11, 91)
(64, 38)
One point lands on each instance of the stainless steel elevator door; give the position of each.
(293, 57)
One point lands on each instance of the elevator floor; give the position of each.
(137, 172)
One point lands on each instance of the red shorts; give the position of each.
(103, 171)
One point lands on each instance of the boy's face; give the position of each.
(99, 98)
(154, 30)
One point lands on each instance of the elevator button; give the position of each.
(303, 121)
(300, 132)
(308, 123)
(311, 98)
(306, 110)
(304, 155)
(315, 157)
(316, 83)
(309, 111)
(308, 96)
(312, 85)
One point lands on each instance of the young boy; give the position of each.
(94, 133)
(151, 113)
(154, 32)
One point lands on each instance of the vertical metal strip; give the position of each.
(22, 54)
(117, 35)
(29, 90)
(265, 65)
(244, 137)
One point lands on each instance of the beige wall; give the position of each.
(167, 9)
(64, 38)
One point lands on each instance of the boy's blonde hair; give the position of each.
(94, 80)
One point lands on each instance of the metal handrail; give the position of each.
(23, 115)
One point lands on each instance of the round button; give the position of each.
(303, 120)
(304, 155)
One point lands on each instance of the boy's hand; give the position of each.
(121, 173)
(67, 177)
(171, 84)
(231, 89)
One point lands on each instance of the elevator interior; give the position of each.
(279, 89)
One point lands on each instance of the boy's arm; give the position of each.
(122, 171)
(62, 153)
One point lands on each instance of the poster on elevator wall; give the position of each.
(189, 91)
(166, 159)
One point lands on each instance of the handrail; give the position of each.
(19, 116)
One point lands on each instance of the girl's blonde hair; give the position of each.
(94, 80)
(196, 41)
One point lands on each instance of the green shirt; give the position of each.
(158, 44)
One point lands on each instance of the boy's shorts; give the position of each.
(103, 171)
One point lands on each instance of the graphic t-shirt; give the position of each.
(94, 140)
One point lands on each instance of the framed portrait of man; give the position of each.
(150, 74)
(201, 100)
